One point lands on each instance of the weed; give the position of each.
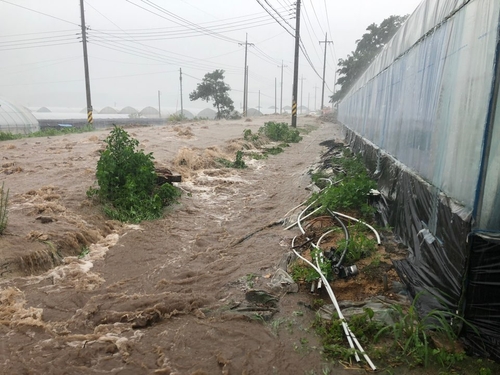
(274, 150)
(177, 117)
(127, 181)
(250, 279)
(352, 189)
(412, 336)
(359, 245)
(48, 132)
(280, 132)
(238, 163)
(249, 136)
(4, 197)
(302, 272)
(84, 252)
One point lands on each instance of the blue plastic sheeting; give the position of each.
(425, 98)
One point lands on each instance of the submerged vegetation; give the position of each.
(395, 336)
(127, 181)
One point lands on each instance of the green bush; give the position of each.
(177, 117)
(4, 196)
(238, 163)
(128, 182)
(351, 188)
(280, 132)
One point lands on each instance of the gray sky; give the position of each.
(136, 48)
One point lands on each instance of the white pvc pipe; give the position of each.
(362, 222)
(351, 338)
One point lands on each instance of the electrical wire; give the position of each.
(279, 23)
(38, 12)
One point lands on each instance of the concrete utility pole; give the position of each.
(315, 98)
(245, 78)
(259, 102)
(159, 106)
(296, 66)
(301, 92)
(90, 118)
(281, 99)
(180, 79)
(275, 95)
(324, 68)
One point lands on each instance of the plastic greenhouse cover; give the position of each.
(15, 118)
(428, 107)
(489, 216)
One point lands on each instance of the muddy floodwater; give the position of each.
(81, 294)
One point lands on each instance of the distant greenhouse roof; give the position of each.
(15, 118)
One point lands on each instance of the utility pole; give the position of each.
(245, 78)
(90, 118)
(296, 66)
(315, 99)
(246, 96)
(275, 94)
(301, 92)
(281, 96)
(159, 106)
(308, 102)
(180, 79)
(324, 68)
(259, 102)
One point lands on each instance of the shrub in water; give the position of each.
(127, 181)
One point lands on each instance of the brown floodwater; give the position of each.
(168, 296)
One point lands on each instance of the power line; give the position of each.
(38, 12)
(182, 21)
(279, 23)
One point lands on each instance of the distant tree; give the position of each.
(367, 48)
(213, 88)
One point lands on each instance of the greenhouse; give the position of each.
(16, 119)
(424, 115)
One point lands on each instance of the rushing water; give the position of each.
(162, 297)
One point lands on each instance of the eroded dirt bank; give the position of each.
(162, 297)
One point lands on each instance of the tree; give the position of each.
(213, 88)
(367, 48)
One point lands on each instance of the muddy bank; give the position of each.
(168, 296)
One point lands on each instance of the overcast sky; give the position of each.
(136, 48)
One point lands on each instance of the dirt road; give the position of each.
(161, 297)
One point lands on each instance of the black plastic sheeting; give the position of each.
(482, 304)
(446, 269)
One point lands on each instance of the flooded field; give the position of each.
(82, 294)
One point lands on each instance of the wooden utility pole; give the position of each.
(296, 66)
(180, 79)
(90, 118)
(324, 68)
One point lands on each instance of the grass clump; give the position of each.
(177, 117)
(128, 182)
(280, 131)
(4, 197)
(238, 162)
(350, 191)
(48, 132)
